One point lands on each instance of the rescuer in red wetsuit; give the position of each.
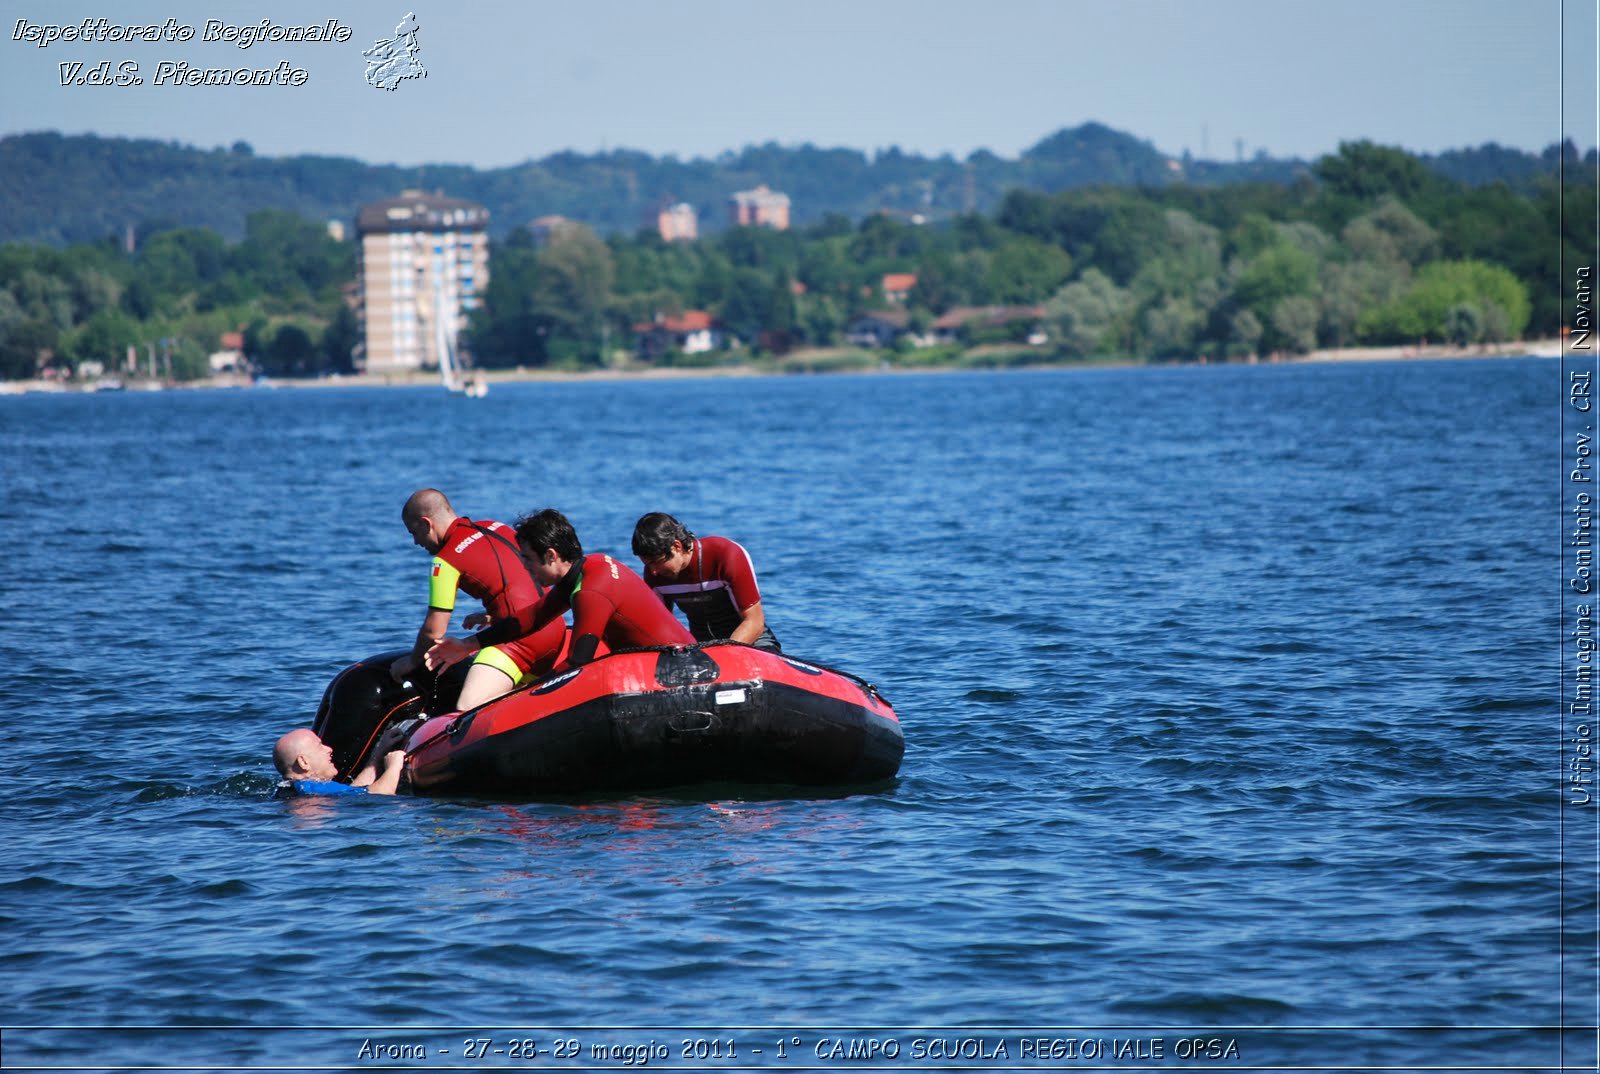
(481, 558)
(710, 578)
(609, 602)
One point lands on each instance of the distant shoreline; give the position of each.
(1544, 348)
(1532, 348)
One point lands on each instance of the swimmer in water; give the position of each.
(307, 763)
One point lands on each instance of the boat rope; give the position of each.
(867, 687)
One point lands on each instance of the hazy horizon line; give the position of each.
(870, 153)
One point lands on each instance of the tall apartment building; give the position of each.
(424, 266)
(678, 222)
(760, 208)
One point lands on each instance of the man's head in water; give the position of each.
(307, 762)
(427, 516)
(300, 754)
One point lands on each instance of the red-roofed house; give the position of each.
(877, 328)
(229, 356)
(1023, 323)
(897, 286)
(690, 332)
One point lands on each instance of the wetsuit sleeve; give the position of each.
(740, 575)
(442, 586)
(591, 611)
(503, 630)
(549, 608)
(552, 604)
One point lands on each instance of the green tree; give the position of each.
(1025, 270)
(1390, 232)
(1244, 334)
(45, 297)
(1421, 312)
(339, 340)
(1348, 289)
(291, 352)
(883, 238)
(1463, 324)
(1187, 265)
(935, 289)
(1089, 315)
(1171, 327)
(24, 343)
(292, 259)
(187, 359)
(780, 321)
(1278, 272)
(820, 320)
(1366, 171)
(95, 289)
(745, 308)
(826, 268)
(104, 337)
(572, 294)
(1252, 236)
(1294, 323)
(177, 263)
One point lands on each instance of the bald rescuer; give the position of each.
(609, 603)
(482, 558)
(307, 763)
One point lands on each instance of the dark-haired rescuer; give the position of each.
(609, 603)
(482, 558)
(710, 578)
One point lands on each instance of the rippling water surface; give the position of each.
(1228, 697)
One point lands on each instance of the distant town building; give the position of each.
(678, 223)
(877, 329)
(336, 230)
(904, 216)
(897, 286)
(424, 265)
(760, 208)
(690, 332)
(229, 355)
(1021, 323)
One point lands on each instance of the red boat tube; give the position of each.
(645, 718)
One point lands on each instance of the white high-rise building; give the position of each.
(424, 267)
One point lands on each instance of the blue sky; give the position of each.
(512, 80)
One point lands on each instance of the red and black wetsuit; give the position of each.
(611, 604)
(714, 590)
(481, 558)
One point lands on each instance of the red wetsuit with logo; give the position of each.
(714, 590)
(481, 558)
(609, 604)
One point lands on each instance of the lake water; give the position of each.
(1229, 697)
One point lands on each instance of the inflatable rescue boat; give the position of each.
(633, 719)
